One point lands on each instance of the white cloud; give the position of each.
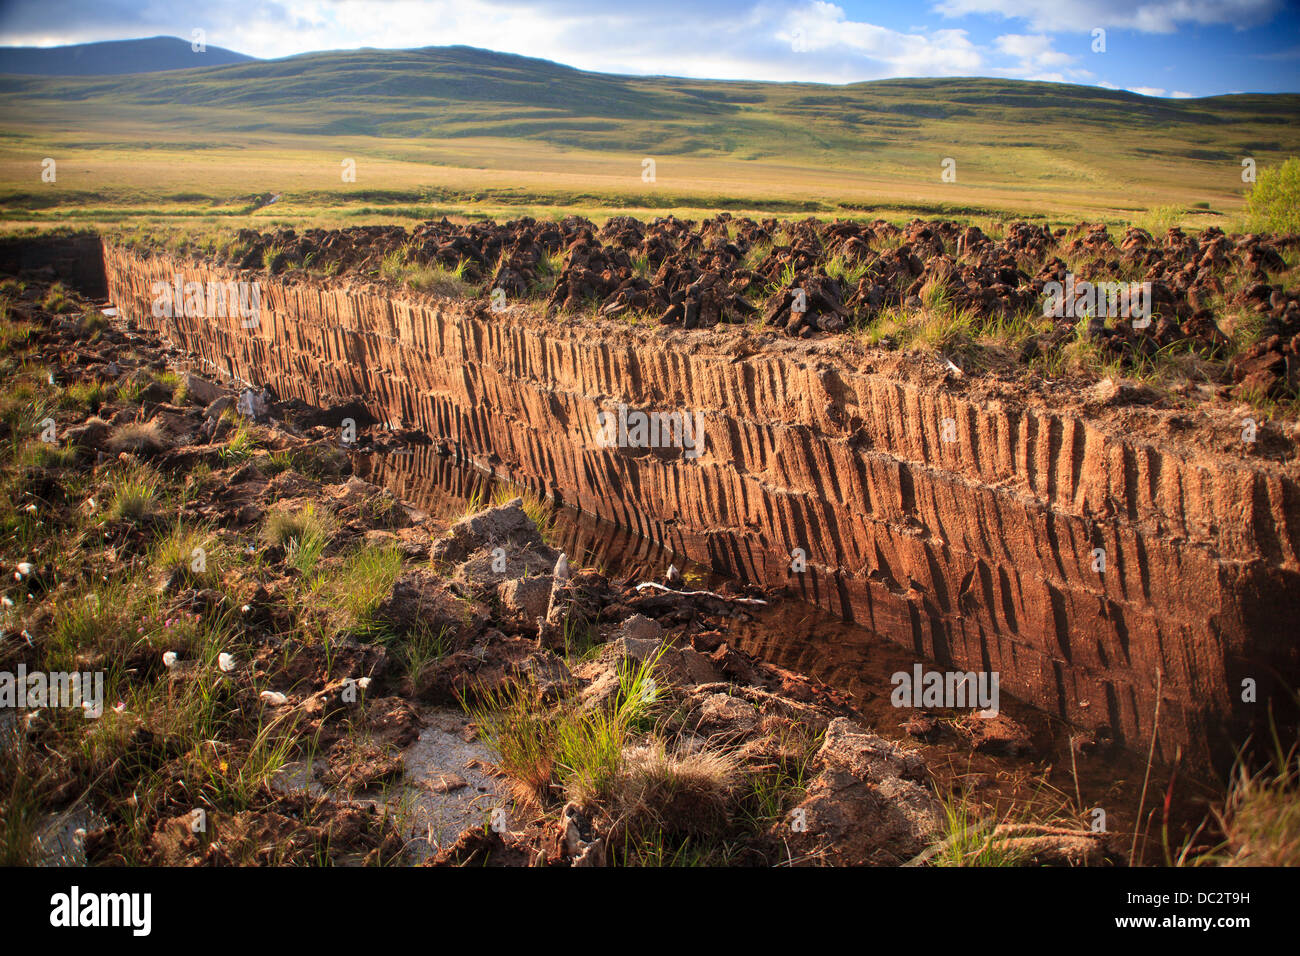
(1180, 95)
(1034, 56)
(1036, 49)
(821, 28)
(1147, 90)
(1107, 85)
(1152, 16)
(808, 40)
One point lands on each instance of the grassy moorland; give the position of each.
(463, 132)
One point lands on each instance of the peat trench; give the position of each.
(957, 521)
(1103, 760)
(1040, 761)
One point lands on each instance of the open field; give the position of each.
(462, 132)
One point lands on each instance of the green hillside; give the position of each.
(467, 129)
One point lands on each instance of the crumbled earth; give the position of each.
(1230, 298)
(332, 624)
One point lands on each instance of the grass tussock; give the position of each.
(399, 267)
(671, 792)
(241, 442)
(341, 597)
(136, 495)
(1260, 817)
(564, 749)
(283, 527)
(187, 552)
(138, 438)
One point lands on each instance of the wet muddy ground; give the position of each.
(1043, 761)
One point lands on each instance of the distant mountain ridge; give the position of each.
(114, 58)
(462, 92)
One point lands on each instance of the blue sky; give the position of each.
(1158, 47)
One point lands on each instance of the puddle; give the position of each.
(61, 841)
(428, 802)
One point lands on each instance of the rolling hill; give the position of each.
(114, 57)
(460, 128)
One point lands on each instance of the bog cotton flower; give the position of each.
(169, 659)
(274, 698)
(226, 662)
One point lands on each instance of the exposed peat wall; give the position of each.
(978, 552)
(74, 259)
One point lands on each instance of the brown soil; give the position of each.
(863, 799)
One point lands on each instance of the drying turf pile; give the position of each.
(1229, 301)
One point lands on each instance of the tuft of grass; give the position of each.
(523, 734)
(397, 267)
(188, 551)
(173, 380)
(846, 270)
(670, 793)
(581, 640)
(58, 300)
(347, 595)
(966, 832)
(43, 454)
(130, 391)
(106, 620)
(276, 463)
(420, 648)
(1260, 818)
(771, 791)
(13, 335)
(303, 534)
(135, 496)
(240, 787)
(89, 395)
(240, 443)
(564, 749)
(138, 438)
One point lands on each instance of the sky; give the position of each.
(1174, 48)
